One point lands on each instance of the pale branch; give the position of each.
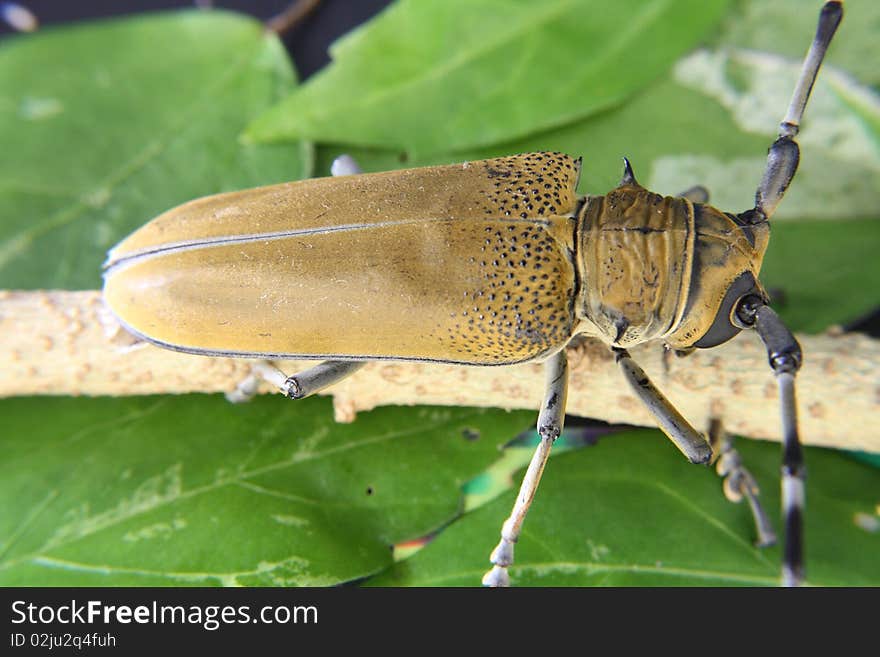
(66, 343)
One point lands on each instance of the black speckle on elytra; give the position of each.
(503, 327)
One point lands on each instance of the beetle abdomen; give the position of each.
(425, 264)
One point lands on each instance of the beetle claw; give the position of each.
(498, 577)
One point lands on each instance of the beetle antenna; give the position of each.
(784, 154)
(629, 178)
(784, 354)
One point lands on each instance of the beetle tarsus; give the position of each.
(245, 390)
(498, 577)
(739, 483)
(344, 165)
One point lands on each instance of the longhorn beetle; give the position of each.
(491, 262)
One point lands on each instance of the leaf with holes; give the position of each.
(631, 512)
(193, 490)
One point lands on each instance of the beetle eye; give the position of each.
(724, 327)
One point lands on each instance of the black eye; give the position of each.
(722, 328)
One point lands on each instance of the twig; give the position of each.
(291, 16)
(66, 343)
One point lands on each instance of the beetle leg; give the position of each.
(690, 441)
(296, 386)
(739, 482)
(246, 388)
(550, 421)
(261, 370)
(783, 156)
(784, 354)
(331, 371)
(318, 377)
(344, 165)
(696, 194)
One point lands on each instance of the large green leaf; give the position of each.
(631, 511)
(196, 491)
(447, 76)
(105, 125)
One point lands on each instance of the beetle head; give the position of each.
(727, 255)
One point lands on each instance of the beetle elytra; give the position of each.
(492, 262)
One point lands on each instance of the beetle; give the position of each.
(491, 262)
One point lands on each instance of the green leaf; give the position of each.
(823, 271)
(107, 124)
(433, 77)
(631, 512)
(710, 122)
(196, 491)
(840, 153)
(664, 119)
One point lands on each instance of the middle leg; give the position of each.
(550, 421)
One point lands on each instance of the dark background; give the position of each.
(307, 42)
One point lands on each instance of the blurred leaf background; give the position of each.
(104, 124)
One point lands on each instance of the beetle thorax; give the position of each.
(634, 256)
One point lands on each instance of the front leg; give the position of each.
(739, 482)
(690, 441)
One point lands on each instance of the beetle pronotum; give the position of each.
(492, 262)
